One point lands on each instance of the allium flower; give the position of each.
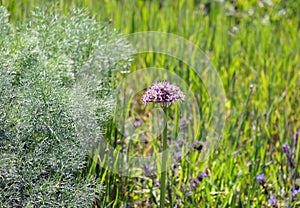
(166, 94)
(273, 201)
(163, 92)
(261, 179)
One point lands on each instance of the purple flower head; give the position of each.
(295, 192)
(261, 179)
(163, 92)
(201, 176)
(273, 201)
(286, 149)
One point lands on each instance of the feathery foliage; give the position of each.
(41, 154)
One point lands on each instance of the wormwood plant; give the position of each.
(42, 159)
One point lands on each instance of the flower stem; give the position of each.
(164, 161)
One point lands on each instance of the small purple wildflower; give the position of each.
(296, 189)
(286, 149)
(295, 192)
(273, 201)
(261, 179)
(163, 92)
(198, 179)
(201, 176)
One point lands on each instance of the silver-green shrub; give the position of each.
(42, 159)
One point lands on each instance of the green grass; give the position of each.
(249, 43)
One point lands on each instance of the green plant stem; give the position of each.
(164, 161)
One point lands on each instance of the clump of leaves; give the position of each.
(42, 159)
